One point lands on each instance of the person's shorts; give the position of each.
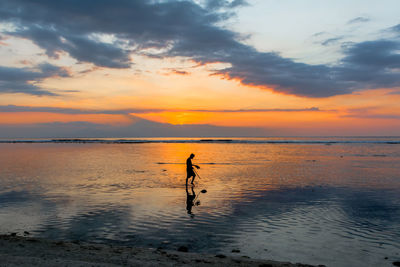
(190, 173)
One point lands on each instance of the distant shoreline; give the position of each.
(178, 140)
(25, 251)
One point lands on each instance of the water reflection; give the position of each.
(273, 224)
(190, 198)
(268, 201)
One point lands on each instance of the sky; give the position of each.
(199, 67)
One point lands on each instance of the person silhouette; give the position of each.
(190, 200)
(189, 168)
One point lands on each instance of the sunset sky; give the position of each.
(275, 67)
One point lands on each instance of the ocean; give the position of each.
(315, 200)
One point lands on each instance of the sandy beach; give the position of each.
(26, 251)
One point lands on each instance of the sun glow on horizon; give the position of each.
(226, 72)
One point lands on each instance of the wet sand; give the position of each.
(26, 251)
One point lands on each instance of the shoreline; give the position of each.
(27, 251)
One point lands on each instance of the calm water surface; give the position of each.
(335, 204)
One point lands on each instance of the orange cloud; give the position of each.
(180, 72)
(43, 117)
(237, 118)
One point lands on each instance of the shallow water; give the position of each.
(335, 204)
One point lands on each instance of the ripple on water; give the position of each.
(268, 200)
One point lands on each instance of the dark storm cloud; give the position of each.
(187, 29)
(285, 75)
(358, 20)
(23, 80)
(79, 47)
(372, 64)
(374, 54)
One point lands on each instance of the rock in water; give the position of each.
(221, 256)
(183, 249)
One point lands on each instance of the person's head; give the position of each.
(191, 155)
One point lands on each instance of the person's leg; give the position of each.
(194, 175)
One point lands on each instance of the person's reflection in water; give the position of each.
(190, 197)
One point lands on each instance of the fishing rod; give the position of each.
(196, 173)
(202, 191)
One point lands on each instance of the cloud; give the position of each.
(180, 72)
(373, 116)
(318, 34)
(2, 38)
(217, 4)
(369, 113)
(331, 41)
(396, 92)
(396, 28)
(79, 47)
(14, 108)
(67, 26)
(372, 64)
(358, 20)
(186, 29)
(314, 109)
(23, 80)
